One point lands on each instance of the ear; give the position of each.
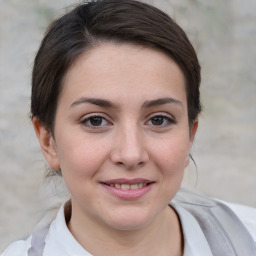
(47, 143)
(192, 134)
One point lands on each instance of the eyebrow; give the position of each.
(161, 101)
(95, 101)
(109, 104)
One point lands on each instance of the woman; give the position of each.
(115, 104)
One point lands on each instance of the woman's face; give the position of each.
(122, 136)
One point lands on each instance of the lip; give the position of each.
(127, 181)
(128, 194)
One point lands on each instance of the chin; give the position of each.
(129, 222)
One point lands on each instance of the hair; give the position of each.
(95, 22)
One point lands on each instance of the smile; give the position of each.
(128, 187)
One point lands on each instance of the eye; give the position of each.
(95, 121)
(160, 121)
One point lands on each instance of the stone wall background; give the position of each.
(224, 35)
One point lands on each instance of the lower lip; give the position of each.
(129, 194)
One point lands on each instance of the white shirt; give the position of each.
(60, 241)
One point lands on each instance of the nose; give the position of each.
(129, 148)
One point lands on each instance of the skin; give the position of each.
(141, 130)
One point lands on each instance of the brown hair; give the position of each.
(94, 22)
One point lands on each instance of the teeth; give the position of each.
(117, 185)
(125, 186)
(134, 186)
(141, 185)
(129, 187)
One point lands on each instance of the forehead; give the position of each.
(124, 68)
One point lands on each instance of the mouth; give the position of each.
(128, 186)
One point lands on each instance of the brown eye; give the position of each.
(96, 121)
(157, 120)
(160, 121)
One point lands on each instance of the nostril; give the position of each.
(120, 163)
(129, 157)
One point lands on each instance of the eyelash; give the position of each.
(87, 121)
(166, 119)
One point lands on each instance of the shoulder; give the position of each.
(208, 210)
(246, 214)
(18, 248)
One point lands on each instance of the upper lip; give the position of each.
(127, 181)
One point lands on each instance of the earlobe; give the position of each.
(193, 131)
(47, 143)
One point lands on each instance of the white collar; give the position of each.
(195, 243)
(60, 241)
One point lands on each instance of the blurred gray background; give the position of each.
(224, 35)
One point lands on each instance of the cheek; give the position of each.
(171, 153)
(170, 157)
(80, 158)
(172, 163)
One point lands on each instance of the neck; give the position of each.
(161, 237)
